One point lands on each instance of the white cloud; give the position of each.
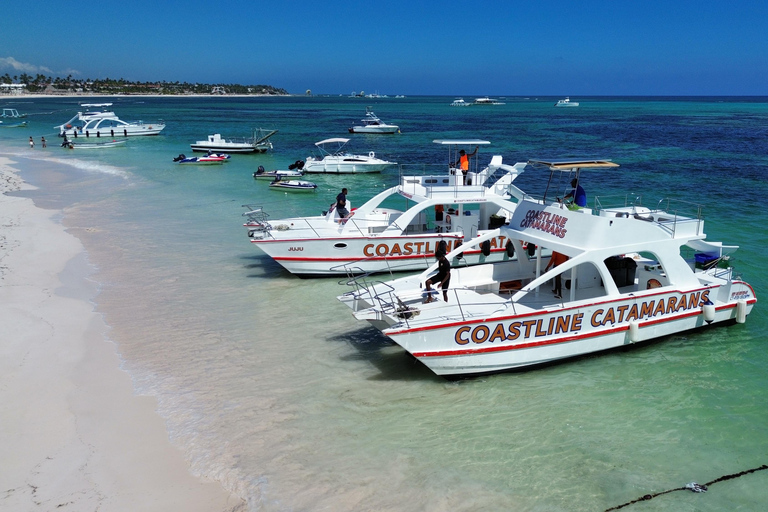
(9, 63)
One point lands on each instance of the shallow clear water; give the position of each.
(269, 385)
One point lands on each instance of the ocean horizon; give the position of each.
(268, 385)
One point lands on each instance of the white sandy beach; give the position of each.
(74, 434)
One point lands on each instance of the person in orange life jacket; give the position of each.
(555, 260)
(463, 162)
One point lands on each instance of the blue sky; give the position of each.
(542, 47)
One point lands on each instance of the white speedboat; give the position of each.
(485, 100)
(293, 185)
(566, 103)
(372, 124)
(459, 102)
(374, 238)
(104, 123)
(338, 161)
(631, 274)
(258, 143)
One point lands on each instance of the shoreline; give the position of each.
(77, 435)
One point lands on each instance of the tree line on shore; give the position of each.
(46, 84)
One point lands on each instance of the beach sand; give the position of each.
(74, 434)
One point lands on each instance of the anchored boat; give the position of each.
(258, 143)
(628, 273)
(339, 161)
(104, 123)
(372, 124)
(442, 213)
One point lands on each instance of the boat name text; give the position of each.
(573, 323)
(545, 221)
(408, 248)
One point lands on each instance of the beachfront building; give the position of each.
(12, 89)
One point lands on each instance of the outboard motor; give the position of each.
(179, 158)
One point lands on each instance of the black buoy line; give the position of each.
(693, 487)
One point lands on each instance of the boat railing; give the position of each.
(427, 179)
(358, 277)
(617, 201)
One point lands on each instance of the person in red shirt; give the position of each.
(555, 260)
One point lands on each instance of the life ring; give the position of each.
(372, 154)
(68, 126)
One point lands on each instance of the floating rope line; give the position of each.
(693, 487)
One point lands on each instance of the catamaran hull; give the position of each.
(494, 345)
(346, 255)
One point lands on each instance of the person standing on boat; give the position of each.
(555, 260)
(441, 279)
(463, 162)
(341, 204)
(578, 194)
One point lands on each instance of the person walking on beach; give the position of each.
(42, 139)
(31, 143)
(341, 205)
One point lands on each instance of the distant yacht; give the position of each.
(567, 103)
(485, 100)
(459, 102)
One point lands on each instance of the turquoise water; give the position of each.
(270, 386)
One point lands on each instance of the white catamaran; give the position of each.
(631, 273)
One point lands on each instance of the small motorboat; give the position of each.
(22, 124)
(293, 185)
(372, 124)
(200, 160)
(566, 103)
(294, 171)
(339, 161)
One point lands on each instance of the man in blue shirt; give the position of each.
(578, 194)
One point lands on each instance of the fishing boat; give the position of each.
(258, 143)
(372, 124)
(566, 103)
(69, 144)
(440, 213)
(628, 273)
(102, 122)
(293, 185)
(339, 161)
(200, 160)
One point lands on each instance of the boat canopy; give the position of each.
(328, 141)
(567, 165)
(462, 142)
